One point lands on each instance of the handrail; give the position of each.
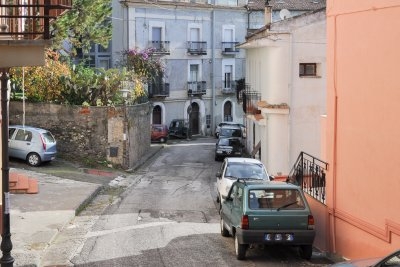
(309, 172)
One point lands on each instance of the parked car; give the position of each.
(267, 213)
(392, 259)
(159, 133)
(234, 168)
(231, 130)
(178, 128)
(218, 128)
(32, 144)
(228, 147)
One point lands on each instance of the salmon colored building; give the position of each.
(362, 129)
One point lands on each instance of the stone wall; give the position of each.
(120, 135)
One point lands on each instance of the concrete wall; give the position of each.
(120, 135)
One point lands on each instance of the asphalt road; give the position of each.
(165, 216)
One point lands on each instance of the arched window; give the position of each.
(228, 111)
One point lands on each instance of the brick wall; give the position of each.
(120, 135)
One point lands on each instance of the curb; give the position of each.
(88, 199)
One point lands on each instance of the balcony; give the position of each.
(229, 48)
(250, 99)
(197, 48)
(160, 47)
(196, 88)
(31, 19)
(228, 87)
(158, 90)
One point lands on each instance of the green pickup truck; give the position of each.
(268, 213)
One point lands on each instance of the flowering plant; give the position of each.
(143, 63)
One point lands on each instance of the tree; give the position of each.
(86, 23)
(42, 84)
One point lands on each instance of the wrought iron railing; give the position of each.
(228, 87)
(197, 48)
(310, 173)
(158, 89)
(197, 88)
(160, 47)
(229, 47)
(30, 19)
(249, 100)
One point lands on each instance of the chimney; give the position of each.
(267, 14)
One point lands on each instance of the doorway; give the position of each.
(194, 118)
(157, 115)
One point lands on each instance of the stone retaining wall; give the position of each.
(120, 135)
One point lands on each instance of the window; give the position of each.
(228, 76)
(194, 72)
(307, 69)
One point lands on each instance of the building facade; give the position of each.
(285, 92)
(362, 128)
(196, 41)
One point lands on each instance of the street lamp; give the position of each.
(6, 244)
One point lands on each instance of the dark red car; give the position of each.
(159, 133)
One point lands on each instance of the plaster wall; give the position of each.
(362, 127)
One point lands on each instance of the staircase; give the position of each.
(20, 183)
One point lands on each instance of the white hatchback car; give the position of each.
(235, 168)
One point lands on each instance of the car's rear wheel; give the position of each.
(305, 251)
(33, 159)
(240, 249)
(224, 231)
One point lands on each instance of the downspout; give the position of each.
(334, 163)
(290, 88)
(212, 73)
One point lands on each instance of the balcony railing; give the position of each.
(196, 88)
(30, 19)
(250, 99)
(158, 90)
(197, 48)
(160, 47)
(229, 48)
(229, 87)
(310, 173)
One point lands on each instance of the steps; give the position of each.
(22, 184)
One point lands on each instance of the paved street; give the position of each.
(164, 214)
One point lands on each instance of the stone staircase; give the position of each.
(20, 183)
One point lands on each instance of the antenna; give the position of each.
(284, 14)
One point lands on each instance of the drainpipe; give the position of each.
(334, 163)
(213, 104)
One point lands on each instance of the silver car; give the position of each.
(32, 144)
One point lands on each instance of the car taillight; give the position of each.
(310, 222)
(245, 222)
(43, 142)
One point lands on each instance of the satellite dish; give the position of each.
(284, 14)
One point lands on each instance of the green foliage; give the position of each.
(58, 82)
(87, 22)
